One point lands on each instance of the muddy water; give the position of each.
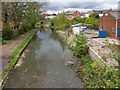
(45, 65)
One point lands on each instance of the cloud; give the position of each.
(84, 6)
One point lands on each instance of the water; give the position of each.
(44, 65)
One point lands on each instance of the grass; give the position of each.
(0, 77)
(14, 54)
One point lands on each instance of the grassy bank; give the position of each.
(15, 54)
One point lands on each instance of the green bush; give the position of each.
(24, 28)
(7, 33)
(21, 31)
(80, 48)
(96, 76)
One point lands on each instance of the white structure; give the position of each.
(76, 29)
(87, 15)
(48, 17)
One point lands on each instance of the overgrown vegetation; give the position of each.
(116, 52)
(7, 33)
(78, 20)
(20, 17)
(14, 55)
(95, 73)
(60, 22)
(80, 47)
(98, 76)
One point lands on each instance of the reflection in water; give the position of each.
(54, 36)
(44, 65)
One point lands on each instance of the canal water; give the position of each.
(45, 65)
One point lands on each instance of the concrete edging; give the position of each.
(92, 57)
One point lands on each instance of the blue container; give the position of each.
(102, 34)
(119, 32)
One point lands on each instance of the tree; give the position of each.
(60, 22)
(94, 16)
(21, 15)
(88, 21)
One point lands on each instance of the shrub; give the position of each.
(25, 27)
(80, 47)
(21, 31)
(97, 76)
(7, 33)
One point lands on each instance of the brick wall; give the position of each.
(107, 23)
(118, 23)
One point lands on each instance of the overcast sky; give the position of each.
(55, 6)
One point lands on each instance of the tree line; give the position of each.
(20, 17)
(60, 22)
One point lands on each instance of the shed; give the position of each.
(76, 29)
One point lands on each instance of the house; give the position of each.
(73, 14)
(100, 12)
(110, 21)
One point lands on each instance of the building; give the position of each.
(110, 21)
(100, 12)
(76, 29)
(48, 16)
(73, 14)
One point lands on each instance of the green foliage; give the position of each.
(60, 22)
(88, 21)
(116, 51)
(24, 28)
(91, 23)
(21, 15)
(78, 20)
(21, 31)
(80, 47)
(94, 16)
(97, 76)
(7, 33)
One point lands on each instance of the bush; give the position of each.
(21, 31)
(24, 28)
(7, 33)
(80, 48)
(97, 76)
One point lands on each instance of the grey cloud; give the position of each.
(55, 6)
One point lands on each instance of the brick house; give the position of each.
(73, 14)
(110, 21)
